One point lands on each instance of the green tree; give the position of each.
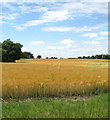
(27, 55)
(84, 57)
(79, 57)
(92, 57)
(88, 57)
(39, 56)
(11, 50)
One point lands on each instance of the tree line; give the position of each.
(10, 51)
(102, 56)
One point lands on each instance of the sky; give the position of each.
(54, 28)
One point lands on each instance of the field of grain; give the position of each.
(54, 77)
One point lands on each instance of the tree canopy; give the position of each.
(27, 55)
(11, 51)
(39, 56)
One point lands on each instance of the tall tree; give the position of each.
(11, 50)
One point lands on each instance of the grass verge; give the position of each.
(94, 107)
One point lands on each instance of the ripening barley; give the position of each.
(47, 77)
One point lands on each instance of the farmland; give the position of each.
(55, 88)
(54, 78)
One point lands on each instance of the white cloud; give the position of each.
(91, 42)
(10, 16)
(28, 1)
(88, 50)
(61, 48)
(101, 38)
(97, 36)
(29, 23)
(83, 7)
(58, 12)
(91, 35)
(59, 29)
(23, 8)
(75, 29)
(51, 47)
(8, 5)
(37, 43)
(49, 16)
(88, 28)
(98, 50)
(62, 29)
(53, 1)
(68, 46)
(104, 33)
(19, 27)
(73, 52)
(53, 16)
(67, 41)
(7, 1)
(29, 9)
(1, 22)
(34, 23)
(96, 1)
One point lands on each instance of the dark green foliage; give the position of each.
(83, 57)
(92, 57)
(79, 57)
(53, 58)
(27, 55)
(4, 55)
(102, 56)
(11, 51)
(39, 56)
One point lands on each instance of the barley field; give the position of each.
(54, 78)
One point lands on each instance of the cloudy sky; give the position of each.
(69, 28)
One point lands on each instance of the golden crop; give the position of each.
(54, 77)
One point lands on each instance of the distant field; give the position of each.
(54, 77)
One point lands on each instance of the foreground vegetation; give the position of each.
(93, 107)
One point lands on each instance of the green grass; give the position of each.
(94, 107)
